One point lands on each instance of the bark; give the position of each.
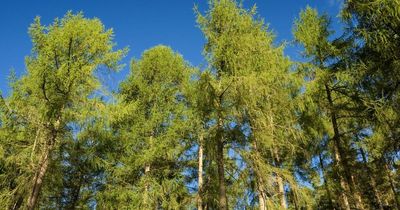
(261, 195)
(43, 165)
(355, 191)
(344, 187)
(338, 153)
(147, 168)
(261, 192)
(328, 192)
(372, 180)
(392, 185)
(200, 175)
(341, 157)
(281, 192)
(38, 180)
(223, 201)
(146, 187)
(279, 181)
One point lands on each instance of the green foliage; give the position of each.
(152, 131)
(44, 102)
(274, 134)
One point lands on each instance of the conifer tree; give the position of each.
(253, 129)
(151, 129)
(60, 77)
(251, 85)
(376, 25)
(329, 87)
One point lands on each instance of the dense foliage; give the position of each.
(253, 129)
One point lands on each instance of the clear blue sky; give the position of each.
(138, 24)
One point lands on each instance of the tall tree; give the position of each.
(60, 76)
(253, 96)
(151, 127)
(376, 24)
(328, 86)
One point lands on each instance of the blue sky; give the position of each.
(138, 24)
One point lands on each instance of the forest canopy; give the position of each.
(252, 129)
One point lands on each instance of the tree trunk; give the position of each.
(392, 185)
(338, 153)
(372, 180)
(344, 187)
(281, 192)
(38, 180)
(146, 187)
(200, 175)
(261, 195)
(261, 192)
(341, 157)
(147, 168)
(279, 181)
(223, 201)
(43, 164)
(328, 192)
(355, 191)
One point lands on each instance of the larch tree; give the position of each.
(329, 83)
(252, 129)
(253, 104)
(150, 124)
(60, 77)
(376, 26)
(77, 173)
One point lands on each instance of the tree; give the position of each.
(253, 129)
(151, 127)
(329, 83)
(60, 77)
(252, 92)
(376, 25)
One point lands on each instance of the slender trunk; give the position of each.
(372, 180)
(223, 201)
(355, 191)
(261, 192)
(261, 195)
(200, 175)
(344, 187)
(38, 180)
(43, 164)
(392, 185)
(279, 181)
(146, 187)
(281, 192)
(342, 160)
(147, 168)
(338, 153)
(328, 192)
